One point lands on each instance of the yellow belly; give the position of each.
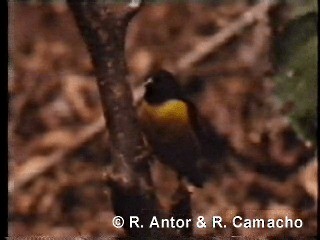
(169, 125)
(172, 116)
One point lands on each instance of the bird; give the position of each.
(175, 129)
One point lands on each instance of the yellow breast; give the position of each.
(168, 122)
(173, 112)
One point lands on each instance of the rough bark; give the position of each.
(103, 27)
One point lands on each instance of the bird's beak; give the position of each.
(148, 81)
(139, 91)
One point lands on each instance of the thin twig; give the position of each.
(211, 44)
(38, 165)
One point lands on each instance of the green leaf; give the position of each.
(297, 55)
(297, 33)
(303, 7)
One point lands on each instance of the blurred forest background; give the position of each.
(259, 91)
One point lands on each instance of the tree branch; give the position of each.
(103, 27)
(212, 44)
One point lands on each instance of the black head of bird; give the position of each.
(162, 87)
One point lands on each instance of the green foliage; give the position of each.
(296, 58)
(302, 7)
